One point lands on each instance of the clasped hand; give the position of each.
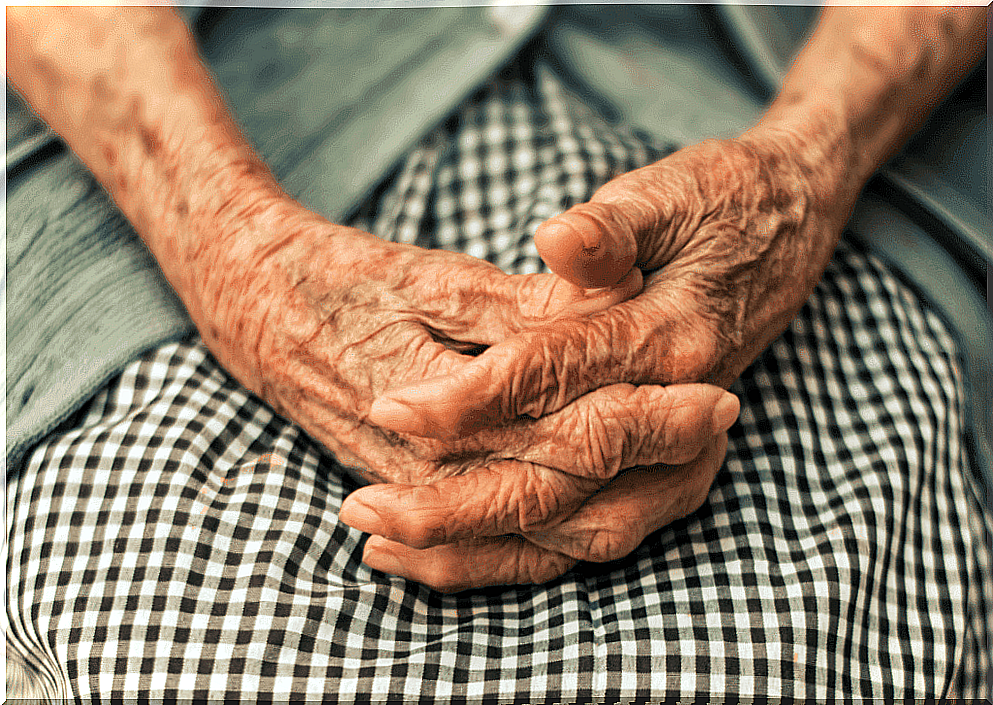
(323, 319)
(514, 425)
(733, 236)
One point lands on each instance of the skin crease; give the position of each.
(318, 319)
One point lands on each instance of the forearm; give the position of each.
(127, 91)
(867, 80)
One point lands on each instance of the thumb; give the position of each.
(595, 244)
(591, 245)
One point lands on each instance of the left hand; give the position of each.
(734, 235)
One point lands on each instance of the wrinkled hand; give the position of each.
(323, 319)
(453, 535)
(734, 235)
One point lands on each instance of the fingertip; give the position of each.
(559, 245)
(379, 555)
(726, 412)
(581, 252)
(358, 510)
(629, 286)
(375, 544)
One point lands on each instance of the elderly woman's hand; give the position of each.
(734, 233)
(733, 236)
(321, 319)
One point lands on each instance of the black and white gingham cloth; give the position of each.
(177, 539)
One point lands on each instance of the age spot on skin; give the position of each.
(149, 142)
(109, 155)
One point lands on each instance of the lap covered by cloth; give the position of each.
(177, 538)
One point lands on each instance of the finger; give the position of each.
(616, 520)
(655, 425)
(540, 371)
(621, 426)
(590, 245)
(600, 532)
(500, 306)
(507, 560)
(532, 374)
(503, 498)
(570, 300)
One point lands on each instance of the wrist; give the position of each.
(825, 160)
(227, 278)
(250, 262)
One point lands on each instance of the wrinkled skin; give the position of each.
(733, 234)
(608, 526)
(324, 320)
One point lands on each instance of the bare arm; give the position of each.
(869, 77)
(126, 89)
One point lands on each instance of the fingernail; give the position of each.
(361, 516)
(382, 560)
(397, 416)
(726, 412)
(591, 236)
(561, 233)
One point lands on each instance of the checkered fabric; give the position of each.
(178, 539)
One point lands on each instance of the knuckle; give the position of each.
(603, 538)
(692, 494)
(537, 500)
(602, 442)
(449, 569)
(677, 436)
(535, 511)
(523, 568)
(443, 579)
(541, 370)
(426, 517)
(688, 503)
(422, 532)
(621, 345)
(537, 566)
